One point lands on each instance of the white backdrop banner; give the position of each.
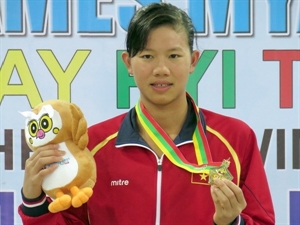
(63, 49)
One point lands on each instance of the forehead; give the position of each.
(167, 36)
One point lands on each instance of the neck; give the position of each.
(170, 118)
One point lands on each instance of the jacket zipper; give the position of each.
(158, 190)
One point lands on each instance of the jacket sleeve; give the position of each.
(254, 184)
(238, 221)
(40, 215)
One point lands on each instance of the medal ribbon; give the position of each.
(166, 144)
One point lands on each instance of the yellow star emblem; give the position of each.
(203, 176)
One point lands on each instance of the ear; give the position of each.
(27, 114)
(194, 61)
(127, 61)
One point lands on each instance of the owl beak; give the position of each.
(40, 134)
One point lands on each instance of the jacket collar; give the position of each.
(128, 132)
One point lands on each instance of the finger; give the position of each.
(39, 170)
(237, 191)
(43, 157)
(46, 150)
(38, 163)
(231, 190)
(46, 147)
(215, 192)
(32, 184)
(221, 199)
(224, 210)
(226, 195)
(46, 171)
(35, 171)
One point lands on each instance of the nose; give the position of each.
(161, 68)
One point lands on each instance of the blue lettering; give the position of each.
(196, 10)
(146, 2)
(6, 208)
(294, 207)
(125, 13)
(219, 15)
(242, 17)
(91, 21)
(298, 31)
(88, 20)
(278, 16)
(36, 15)
(61, 16)
(14, 16)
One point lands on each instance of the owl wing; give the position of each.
(79, 127)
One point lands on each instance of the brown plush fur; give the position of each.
(74, 134)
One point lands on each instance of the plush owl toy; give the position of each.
(63, 123)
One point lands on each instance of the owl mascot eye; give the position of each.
(63, 123)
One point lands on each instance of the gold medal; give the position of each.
(220, 172)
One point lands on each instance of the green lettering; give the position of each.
(205, 60)
(124, 83)
(229, 79)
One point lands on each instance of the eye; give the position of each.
(174, 56)
(146, 56)
(46, 123)
(32, 128)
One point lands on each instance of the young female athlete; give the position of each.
(166, 161)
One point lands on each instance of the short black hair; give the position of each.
(153, 16)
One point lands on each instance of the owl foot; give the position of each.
(80, 196)
(59, 204)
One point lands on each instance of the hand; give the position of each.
(229, 201)
(35, 170)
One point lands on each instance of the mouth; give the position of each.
(160, 85)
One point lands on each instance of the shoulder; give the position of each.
(234, 134)
(110, 124)
(226, 125)
(217, 119)
(104, 129)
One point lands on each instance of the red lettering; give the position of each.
(285, 58)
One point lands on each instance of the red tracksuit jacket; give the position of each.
(135, 187)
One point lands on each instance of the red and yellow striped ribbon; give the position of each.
(166, 144)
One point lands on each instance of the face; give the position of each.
(162, 69)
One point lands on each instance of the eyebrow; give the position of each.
(169, 50)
